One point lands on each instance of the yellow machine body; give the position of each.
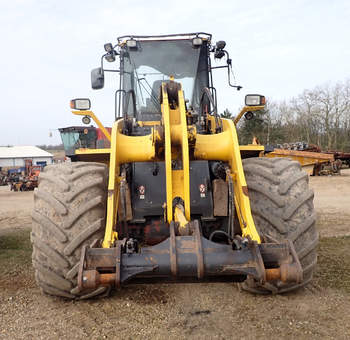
(170, 200)
(173, 137)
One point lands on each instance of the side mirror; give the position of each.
(97, 78)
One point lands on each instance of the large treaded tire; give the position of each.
(69, 212)
(282, 208)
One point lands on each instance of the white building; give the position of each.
(15, 156)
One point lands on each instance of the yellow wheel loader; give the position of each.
(174, 198)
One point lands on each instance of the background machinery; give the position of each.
(26, 180)
(174, 197)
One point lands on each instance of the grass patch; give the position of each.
(15, 252)
(334, 263)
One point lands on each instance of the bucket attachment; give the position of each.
(188, 258)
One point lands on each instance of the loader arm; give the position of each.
(217, 146)
(224, 146)
(123, 149)
(176, 145)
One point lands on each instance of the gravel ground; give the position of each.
(181, 311)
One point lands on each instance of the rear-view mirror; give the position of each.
(97, 78)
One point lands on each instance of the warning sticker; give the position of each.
(142, 192)
(202, 190)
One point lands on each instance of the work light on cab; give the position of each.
(131, 43)
(220, 45)
(80, 104)
(197, 42)
(108, 47)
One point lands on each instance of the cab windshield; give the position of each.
(153, 62)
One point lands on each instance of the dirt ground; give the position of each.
(181, 311)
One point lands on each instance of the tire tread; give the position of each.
(69, 211)
(282, 206)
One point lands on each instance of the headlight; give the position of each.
(196, 42)
(249, 115)
(80, 104)
(86, 120)
(132, 43)
(254, 100)
(108, 47)
(110, 56)
(220, 45)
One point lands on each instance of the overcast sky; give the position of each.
(48, 48)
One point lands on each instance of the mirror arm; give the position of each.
(102, 62)
(229, 68)
(104, 69)
(223, 66)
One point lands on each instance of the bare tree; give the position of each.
(318, 116)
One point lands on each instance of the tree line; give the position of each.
(50, 147)
(319, 116)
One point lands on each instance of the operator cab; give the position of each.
(150, 63)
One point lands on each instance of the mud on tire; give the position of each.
(69, 211)
(282, 208)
